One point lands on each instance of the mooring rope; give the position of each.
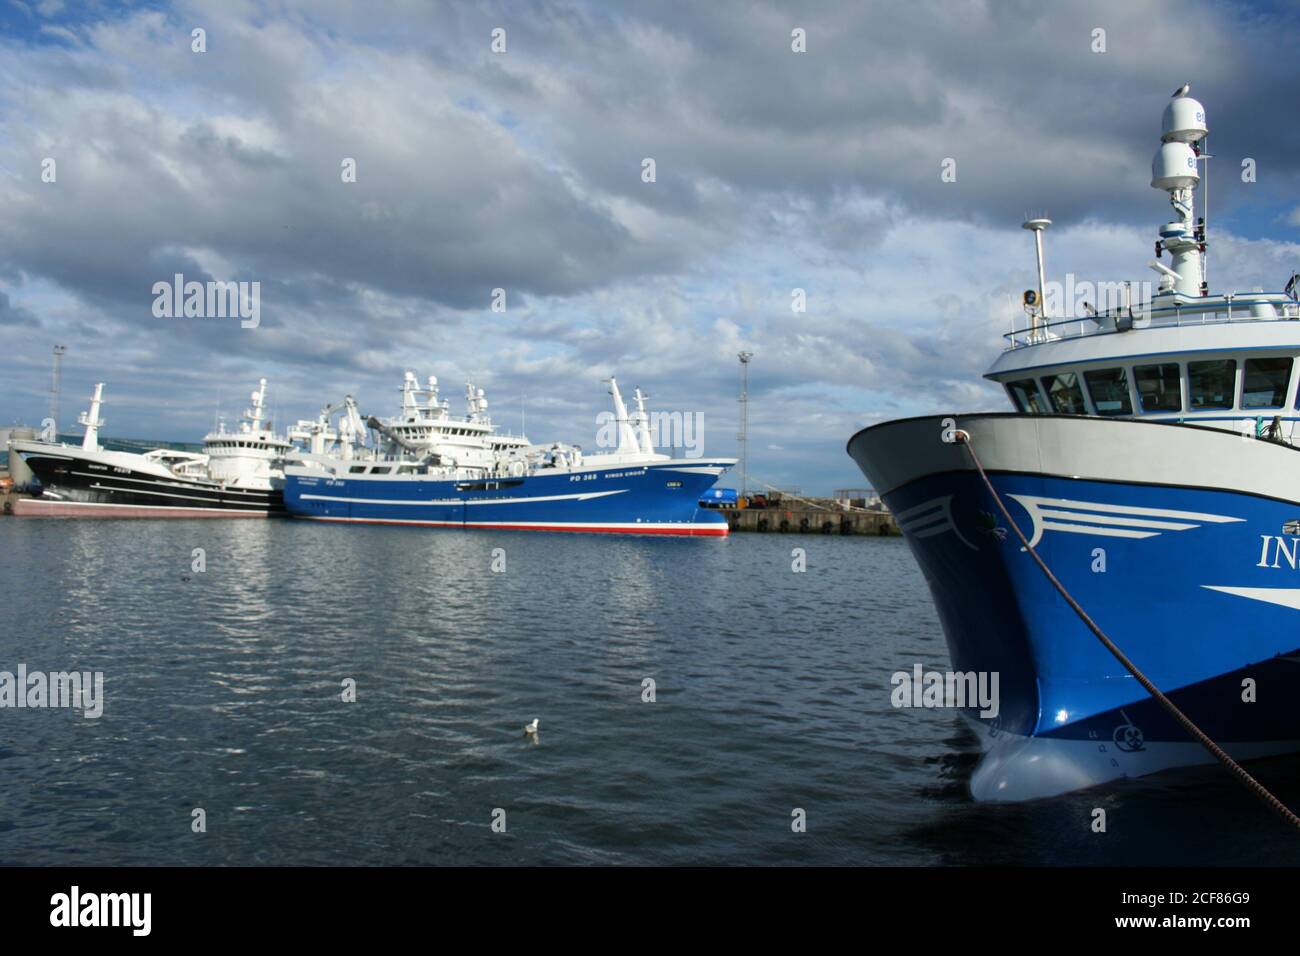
(786, 494)
(1237, 770)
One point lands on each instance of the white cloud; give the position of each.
(776, 171)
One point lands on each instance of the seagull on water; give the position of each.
(1182, 91)
(530, 730)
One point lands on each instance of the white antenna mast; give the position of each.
(91, 421)
(1037, 226)
(1175, 170)
(1205, 155)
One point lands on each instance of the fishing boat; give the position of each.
(237, 475)
(434, 469)
(1151, 463)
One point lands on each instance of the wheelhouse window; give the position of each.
(1024, 395)
(1065, 394)
(1159, 388)
(1211, 384)
(1109, 390)
(1264, 382)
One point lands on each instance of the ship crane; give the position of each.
(352, 426)
(420, 452)
(319, 434)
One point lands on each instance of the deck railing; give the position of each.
(1211, 310)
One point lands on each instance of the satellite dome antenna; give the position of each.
(1176, 170)
(1039, 315)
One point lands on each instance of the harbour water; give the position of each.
(223, 691)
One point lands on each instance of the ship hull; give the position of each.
(1181, 543)
(109, 485)
(659, 499)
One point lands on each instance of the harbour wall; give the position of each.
(812, 521)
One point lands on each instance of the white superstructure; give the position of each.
(1227, 360)
(425, 427)
(252, 455)
(424, 438)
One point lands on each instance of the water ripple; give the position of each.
(224, 691)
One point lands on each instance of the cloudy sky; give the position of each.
(522, 170)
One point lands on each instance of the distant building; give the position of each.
(867, 498)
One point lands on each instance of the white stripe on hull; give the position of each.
(213, 486)
(697, 470)
(166, 494)
(1283, 597)
(584, 496)
(1109, 520)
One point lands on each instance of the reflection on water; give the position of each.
(224, 691)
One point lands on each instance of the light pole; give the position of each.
(54, 387)
(744, 422)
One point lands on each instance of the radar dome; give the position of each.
(1184, 121)
(1174, 167)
